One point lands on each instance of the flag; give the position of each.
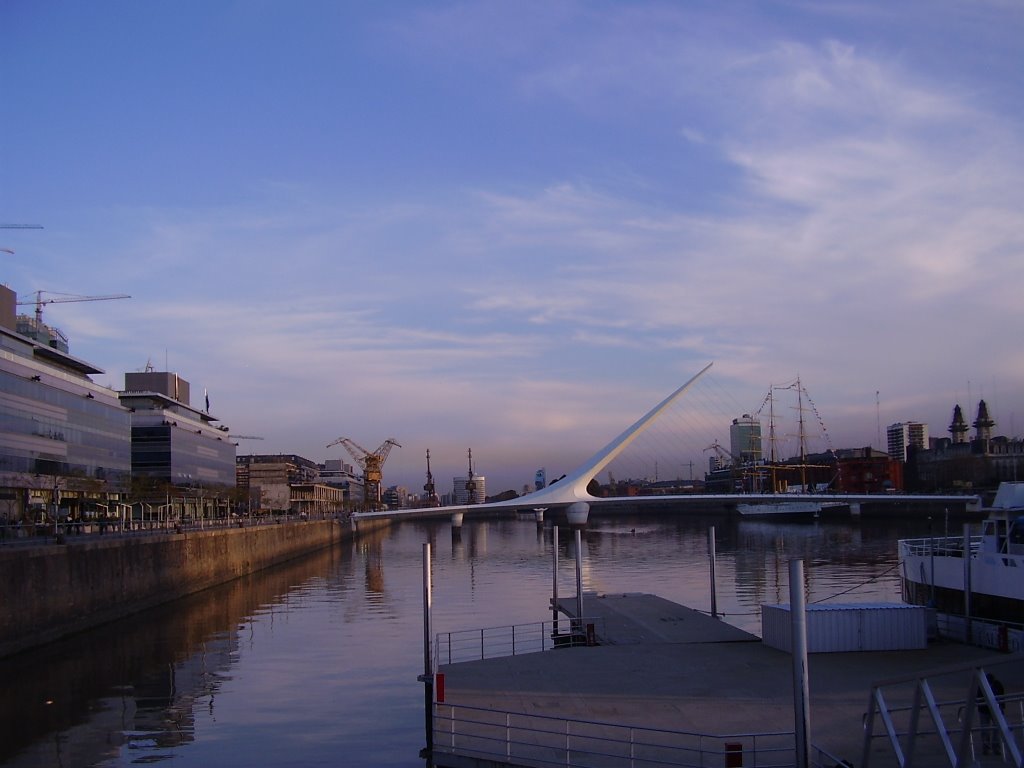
(207, 396)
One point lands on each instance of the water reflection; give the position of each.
(136, 683)
(316, 661)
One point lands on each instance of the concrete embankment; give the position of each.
(56, 590)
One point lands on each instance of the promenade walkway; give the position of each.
(662, 665)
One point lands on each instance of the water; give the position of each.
(315, 663)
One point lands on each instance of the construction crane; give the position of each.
(65, 298)
(724, 456)
(371, 464)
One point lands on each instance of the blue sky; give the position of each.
(516, 226)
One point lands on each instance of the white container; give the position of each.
(849, 627)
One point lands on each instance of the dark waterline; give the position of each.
(315, 662)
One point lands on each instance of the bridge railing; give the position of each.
(515, 639)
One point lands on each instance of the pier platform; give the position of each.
(663, 665)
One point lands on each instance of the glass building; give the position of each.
(65, 441)
(174, 444)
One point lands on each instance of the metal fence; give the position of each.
(541, 741)
(27, 535)
(515, 639)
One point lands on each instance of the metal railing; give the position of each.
(1005, 636)
(542, 741)
(39, 534)
(515, 639)
(940, 546)
(930, 731)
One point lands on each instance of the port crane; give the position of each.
(429, 490)
(65, 298)
(371, 463)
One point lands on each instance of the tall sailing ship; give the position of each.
(786, 480)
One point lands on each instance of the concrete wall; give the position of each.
(53, 591)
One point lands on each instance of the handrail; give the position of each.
(540, 741)
(514, 639)
(909, 728)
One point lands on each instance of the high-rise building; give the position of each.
(463, 495)
(745, 439)
(903, 435)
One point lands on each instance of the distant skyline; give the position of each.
(516, 226)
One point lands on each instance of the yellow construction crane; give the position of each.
(65, 298)
(371, 464)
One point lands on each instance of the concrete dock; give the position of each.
(662, 665)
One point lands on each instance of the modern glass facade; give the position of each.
(48, 430)
(174, 444)
(65, 441)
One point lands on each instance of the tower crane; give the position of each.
(371, 464)
(65, 298)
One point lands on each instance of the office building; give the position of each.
(463, 494)
(288, 483)
(904, 436)
(65, 446)
(745, 439)
(177, 451)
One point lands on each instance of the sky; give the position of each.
(517, 226)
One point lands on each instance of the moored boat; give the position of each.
(793, 508)
(989, 582)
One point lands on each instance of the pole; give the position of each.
(967, 583)
(579, 578)
(711, 557)
(428, 665)
(554, 579)
(801, 685)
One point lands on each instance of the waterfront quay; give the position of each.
(59, 585)
(666, 684)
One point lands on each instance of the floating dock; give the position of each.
(662, 666)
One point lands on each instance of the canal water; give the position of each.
(315, 663)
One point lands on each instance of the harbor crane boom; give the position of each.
(66, 298)
(371, 463)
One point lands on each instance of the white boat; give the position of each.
(789, 508)
(786, 508)
(935, 572)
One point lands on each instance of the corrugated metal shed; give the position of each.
(849, 627)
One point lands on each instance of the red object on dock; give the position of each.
(439, 687)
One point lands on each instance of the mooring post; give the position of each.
(801, 684)
(711, 557)
(968, 630)
(579, 578)
(554, 579)
(428, 662)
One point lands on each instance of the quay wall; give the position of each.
(51, 591)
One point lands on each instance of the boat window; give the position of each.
(1016, 536)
